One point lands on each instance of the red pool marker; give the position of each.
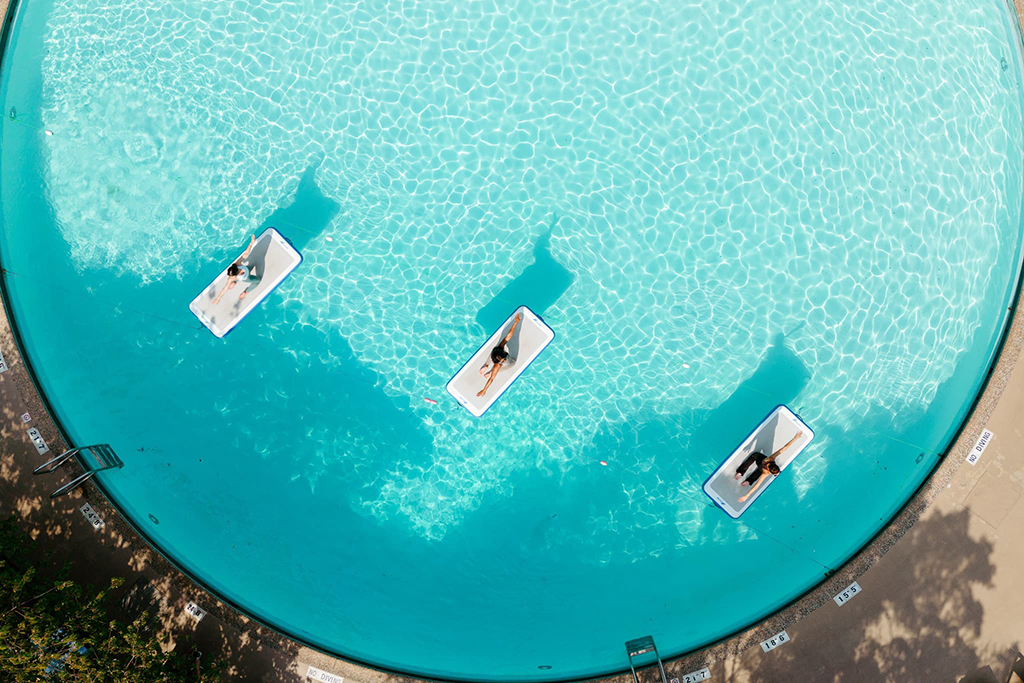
(430, 401)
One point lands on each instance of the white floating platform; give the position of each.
(531, 337)
(274, 259)
(779, 427)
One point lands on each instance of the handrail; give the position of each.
(54, 463)
(102, 453)
(641, 646)
(72, 485)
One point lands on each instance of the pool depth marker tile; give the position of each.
(844, 596)
(694, 676)
(92, 516)
(195, 611)
(38, 441)
(775, 641)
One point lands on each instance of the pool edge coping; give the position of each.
(1001, 368)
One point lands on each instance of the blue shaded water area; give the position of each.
(541, 284)
(708, 237)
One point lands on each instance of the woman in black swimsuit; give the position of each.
(761, 464)
(499, 358)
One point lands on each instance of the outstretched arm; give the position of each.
(226, 287)
(788, 444)
(494, 373)
(764, 474)
(512, 331)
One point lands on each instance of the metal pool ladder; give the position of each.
(641, 646)
(93, 459)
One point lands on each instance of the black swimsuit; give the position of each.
(756, 459)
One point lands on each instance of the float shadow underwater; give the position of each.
(308, 215)
(538, 286)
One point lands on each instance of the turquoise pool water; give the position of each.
(717, 207)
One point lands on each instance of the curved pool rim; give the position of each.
(1009, 346)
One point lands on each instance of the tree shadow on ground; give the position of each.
(252, 653)
(919, 621)
(250, 657)
(62, 536)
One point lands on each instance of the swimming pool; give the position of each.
(717, 208)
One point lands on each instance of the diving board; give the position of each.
(530, 337)
(273, 258)
(781, 425)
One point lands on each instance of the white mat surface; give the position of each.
(273, 257)
(779, 427)
(531, 337)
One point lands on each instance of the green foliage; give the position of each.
(52, 629)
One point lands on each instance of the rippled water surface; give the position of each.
(719, 207)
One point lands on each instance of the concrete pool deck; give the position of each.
(942, 587)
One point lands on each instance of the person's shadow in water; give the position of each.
(538, 286)
(309, 214)
(779, 378)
